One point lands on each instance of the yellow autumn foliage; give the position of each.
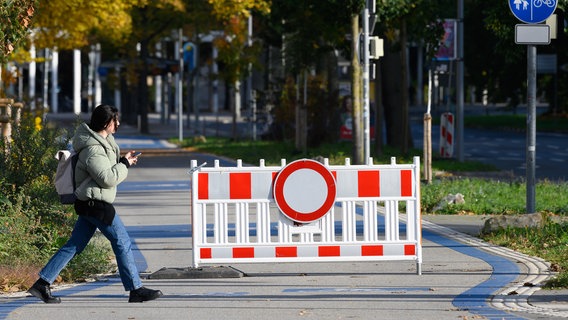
(74, 24)
(224, 10)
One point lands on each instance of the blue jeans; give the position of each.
(83, 231)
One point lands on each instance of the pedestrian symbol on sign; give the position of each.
(518, 3)
(532, 11)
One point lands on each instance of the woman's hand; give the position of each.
(131, 157)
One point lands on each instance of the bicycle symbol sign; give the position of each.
(532, 11)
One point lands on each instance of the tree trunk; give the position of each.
(324, 114)
(405, 126)
(301, 113)
(391, 96)
(235, 99)
(357, 131)
(333, 122)
(395, 96)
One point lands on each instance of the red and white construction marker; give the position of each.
(305, 190)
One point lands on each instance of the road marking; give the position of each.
(354, 290)
(183, 185)
(215, 294)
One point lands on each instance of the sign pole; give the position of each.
(531, 127)
(532, 13)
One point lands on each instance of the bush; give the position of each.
(30, 152)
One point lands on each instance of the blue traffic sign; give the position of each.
(189, 55)
(532, 11)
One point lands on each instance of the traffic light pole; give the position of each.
(366, 113)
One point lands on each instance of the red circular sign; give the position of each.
(304, 190)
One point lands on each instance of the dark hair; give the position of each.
(102, 116)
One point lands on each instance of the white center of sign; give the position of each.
(305, 190)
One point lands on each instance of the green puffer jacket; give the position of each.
(99, 159)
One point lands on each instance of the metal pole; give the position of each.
(117, 92)
(189, 96)
(179, 84)
(253, 114)
(54, 80)
(98, 90)
(158, 87)
(460, 85)
(76, 81)
(91, 79)
(366, 120)
(249, 78)
(32, 78)
(531, 127)
(428, 133)
(196, 96)
(45, 90)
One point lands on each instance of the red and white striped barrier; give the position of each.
(305, 211)
(447, 135)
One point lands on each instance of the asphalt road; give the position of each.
(507, 150)
(504, 149)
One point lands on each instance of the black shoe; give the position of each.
(41, 290)
(144, 294)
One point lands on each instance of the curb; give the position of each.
(514, 298)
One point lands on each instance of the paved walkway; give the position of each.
(463, 277)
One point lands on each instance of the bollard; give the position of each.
(6, 116)
(447, 135)
(18, 106)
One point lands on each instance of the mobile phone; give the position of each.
(136, 154)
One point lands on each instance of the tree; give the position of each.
(504, 75)
(399, 23)
(121, 26)
(356, 92)
(15, 20)
(67, 25)
(151, 21)
(234, 52)
(310, 35)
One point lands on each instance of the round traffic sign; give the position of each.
(304, 190)
(532, 11)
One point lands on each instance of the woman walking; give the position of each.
(99, 170)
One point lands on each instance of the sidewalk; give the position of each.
(547, 303)
(460, 272)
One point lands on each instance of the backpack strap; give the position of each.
(75, 160)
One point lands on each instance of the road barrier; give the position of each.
(305, 211)
(447, 135)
